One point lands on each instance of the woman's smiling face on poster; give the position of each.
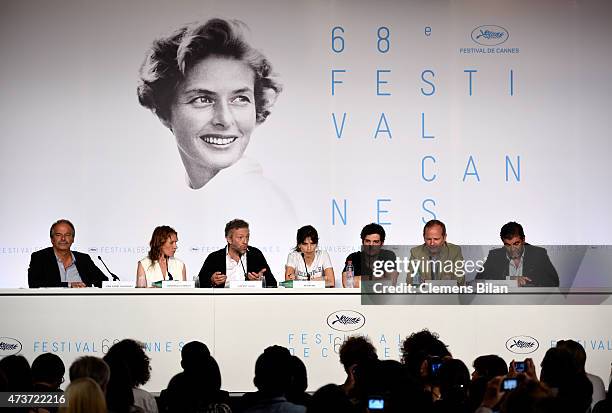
(211, 88)
(213, 113)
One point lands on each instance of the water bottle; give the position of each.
(416, 278)
(350, 274)
(263, 281)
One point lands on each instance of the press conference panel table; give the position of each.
(238, 324)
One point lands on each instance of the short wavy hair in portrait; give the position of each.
(169, 59)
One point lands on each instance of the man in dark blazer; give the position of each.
(530, 264)
(237, 261)
(58, 266)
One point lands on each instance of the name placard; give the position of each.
(308, 284)
(118, 284)
(245, 284)
(178, 284)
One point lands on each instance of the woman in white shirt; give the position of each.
(160, 263)
(307, 262)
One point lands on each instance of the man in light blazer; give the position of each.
(436, 259)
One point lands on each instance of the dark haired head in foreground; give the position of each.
(47, 372)
(486, 367)
(273, 374)
(198, 387)
(354, 351)
(453, 381)
(17, 372)
(130, 367)
(331, 398)
(419, 350)
(570, 383)
(299, 383)
(489, 366)
(389, 381)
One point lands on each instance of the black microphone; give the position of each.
(305, 266)
(168, 269)
(246, 278)
(115, 278)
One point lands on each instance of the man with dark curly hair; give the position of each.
(420, 349)
(130, 366)
(364, 261)
(353, 351)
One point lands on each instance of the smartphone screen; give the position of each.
(520, 366)
(434, 368)
(509, 384)
(376, 404)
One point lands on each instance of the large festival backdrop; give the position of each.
(474, 112)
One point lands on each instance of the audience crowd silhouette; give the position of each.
(427, 380)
